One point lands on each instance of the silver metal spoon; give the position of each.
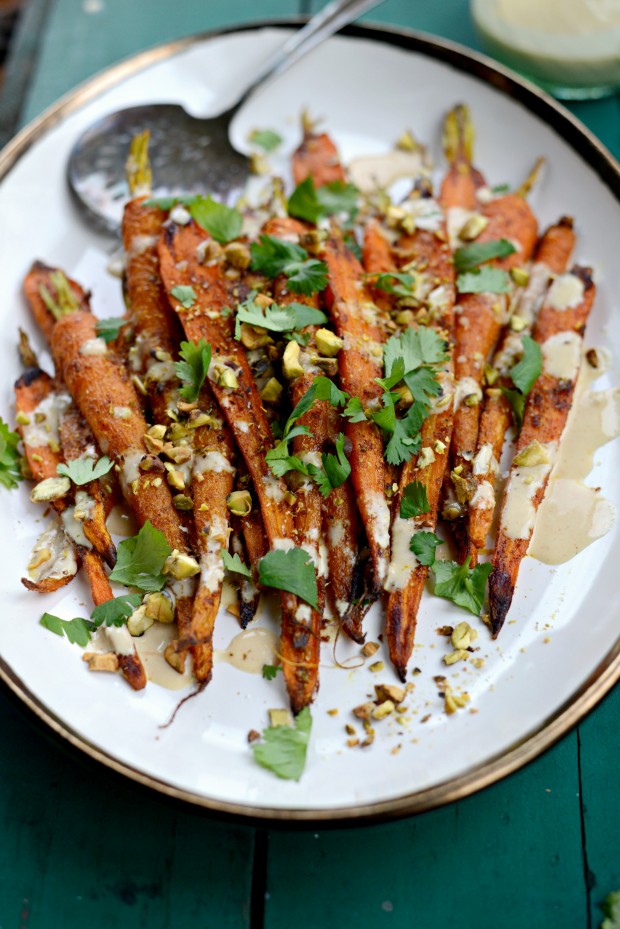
(187, 154)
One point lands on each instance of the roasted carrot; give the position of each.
(551, 258)
(558, 329)
(317, 157)
(50, 295)
(233, 386)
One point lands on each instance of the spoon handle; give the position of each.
(334, 16)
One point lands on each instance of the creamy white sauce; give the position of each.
(52, 555)
(456, 218)
(212, 461)
(151, 646)
(562, 355)
(121, 412)
(372, 172)
(211, 564)
(45, 419)
(566, 292)
(130, 471)
(274, 488)
(530, 299)
(379, 515)
(250, 650)
(465, 387)
(161, 372)
(485, 461)
(121, 640)
(84, 505)
(484, 498)
(312, 458)
(282, 545)
(122, 522)
(95, 347)
(518, 512)
(74, 527)
(403, 561)
(140, 244)
(426, 212)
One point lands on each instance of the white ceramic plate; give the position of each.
(549, 666)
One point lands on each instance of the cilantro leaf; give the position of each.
(141, 558)
(270, 671)
(115, 612)
(462, 585)
(610, 907)
(528, 369)
(310, 203)
(325, 389)
(423, 545)
(167, 203)
(476, 253)
(485, 281)
(283, 749)
(192, 370)
(354, 411)
(423, 384)
(233, 563)
(221, 222)
(403, 288)
(337, 467)
(290, 570)
(77, 630)
(84, 470)
(500, 188)
(277, 318)
(274, 256)
(185, 295)
(266, 139)
(421, 346)
(10, 471)
(404, 433)
(414, 501)
(109, 329)
(523, 375)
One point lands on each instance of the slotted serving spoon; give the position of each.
(187, 154)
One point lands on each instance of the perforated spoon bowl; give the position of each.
(187, 154)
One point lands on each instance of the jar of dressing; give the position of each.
(570, 47)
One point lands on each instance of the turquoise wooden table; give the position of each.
(540, 849)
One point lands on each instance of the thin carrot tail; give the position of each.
(138, 165)
(458, 135)
(531, 179)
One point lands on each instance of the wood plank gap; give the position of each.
(259, 879)
(588, 877)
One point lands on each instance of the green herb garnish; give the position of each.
(10, 471)
(193, 368)
(283, 748)
(77, 630)
(270, 671)
(85, 469)
(116, 612)
(423, 545)
(266, 139)
(277, 318)
(274, 256)
(524, 374)
(473, 255)
(185, 295)
(141, 558)
(109, 329)
(312, 203)
(414, 501)
(233, 563)
(221, 222)
(486, 280)
(290, 570)
(461, 584)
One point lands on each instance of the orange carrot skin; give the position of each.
(317, 157)
(546, 412)
(39, 277)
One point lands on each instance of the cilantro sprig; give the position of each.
(283, 749)
(399, 284)
(85, 469)
(193, 368)
(423, 545)
(141, 558)
(267, 139)
(234, 564)
(523, 375)
(273, 256)
(312, 203)
(109, 329)
(485, 280)
(78, 631)
(291, 570)
(277, 318)
(473, 255)
(461, 584)
(185, 294)
(10, 471)
(222, 222)
(414, 501)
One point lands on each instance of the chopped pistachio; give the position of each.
(52, 488)
(139, 622)
(313, 240)
(159, 607)
(138, 383)
(472, 228)
(369, 649)
(254, 336)
(176, 480)
(407, 143)
(174, 658)
(405, 397)
(471, 400)
(333, 712)
(178, 453)
(22, 419)
(384, 709)
(517, 323)
(182, 502)
(185, 407)
(263, 300)
(180, 566)
(464, 487)
(520, 276)
(426, 457)
(376, 667)
(227, 378)
(101, 661)
(198, 418)
(452, 510)
(153, 445)
(405, 318)
(272, 391)
(290, 361)
(440, 447)
(490, 374)
(533, 454)
(364, 710)
(280, 718)
(237, 254)
(151, 463)
(463, 635)
(240, 502)
(328, 343)
(349, 729)
(390, 692)
(457, 655)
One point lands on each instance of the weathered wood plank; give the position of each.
(81, 848)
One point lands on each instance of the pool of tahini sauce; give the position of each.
(573, 515)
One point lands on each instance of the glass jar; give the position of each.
(569, 47)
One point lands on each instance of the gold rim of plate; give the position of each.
(602, 678)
